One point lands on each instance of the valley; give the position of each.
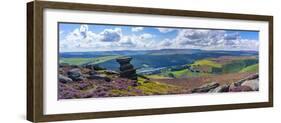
(160, 72)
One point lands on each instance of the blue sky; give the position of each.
(94, 37)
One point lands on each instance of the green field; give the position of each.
(176, 74)
(206, 62)
(188, 73)
(157, 76)
(209, 66)
(252, 68)
(224, 65)
(80, 61)
(239, 65)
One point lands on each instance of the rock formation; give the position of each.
(234, 88)
(206, 88)
(222, 88)
(254, 84)
(250, 83)
(127, 70)
(64, 79)
(75, 74)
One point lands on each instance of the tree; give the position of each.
(171, 75)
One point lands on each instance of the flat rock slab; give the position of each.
(223, 88)
(206, 87)
(124, 60)
(240, 89)
(254, 84)
(64, 79)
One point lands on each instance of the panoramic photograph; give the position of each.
(103, 60)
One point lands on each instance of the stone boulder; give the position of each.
(93, 67)
(206, 87)
(75, 74)
(89, 66)
(222, 88)
(124, 60)
(240, 88)
(126, 67)
(127, 70)
(92, 72)
(250, 83)
(64, 79)
(99, 77)
(254, 84)
(74, 66)
(128, 73)
(254, 76)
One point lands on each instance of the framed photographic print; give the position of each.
(96, 61)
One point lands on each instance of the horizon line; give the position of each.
(160, 49)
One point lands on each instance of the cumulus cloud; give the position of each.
(137, 29)
(83, 30)
(111, 35)
(145, 36)
(166, 43)
(137, 41)
(83, 39)
(61, 32)
(232, 36)
(200, 38)
(165, 30)
(212, 39)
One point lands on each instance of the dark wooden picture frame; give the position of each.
(35, 60)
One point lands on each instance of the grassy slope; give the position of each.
(234, 64)
(206, 62)
(79, 61)
(147, 88)
(237, 65)
(157, 76)
(185, 72)
(252, 68)
(177, 74)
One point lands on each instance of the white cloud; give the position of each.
(145, 36)
(213, 40)
(200, 38)
(137, 41)
(137, 29)
(61, 32)
(83, 39)
(111, 35)
(83, 30)
(165, 30)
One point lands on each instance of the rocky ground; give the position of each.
(207, 83)
(250, 83)
(90, 81)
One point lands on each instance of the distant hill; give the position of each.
(128, 52)
(150, 52)
(147, 59)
